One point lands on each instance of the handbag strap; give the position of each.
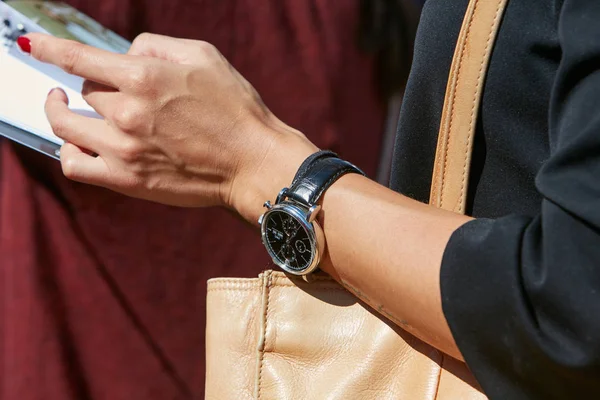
(450, 179)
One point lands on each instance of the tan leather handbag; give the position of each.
(279, 337)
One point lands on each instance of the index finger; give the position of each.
(78, 59)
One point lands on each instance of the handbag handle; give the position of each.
(466, 79)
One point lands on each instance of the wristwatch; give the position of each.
(289, 229)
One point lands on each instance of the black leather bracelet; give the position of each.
(318, 175)
(310, 160)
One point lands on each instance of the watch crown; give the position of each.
(268, 205)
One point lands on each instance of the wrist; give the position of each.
(269, 171)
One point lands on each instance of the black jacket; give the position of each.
(520, 284)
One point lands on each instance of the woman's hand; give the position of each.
(181, 126)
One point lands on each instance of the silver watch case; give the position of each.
(306, 218)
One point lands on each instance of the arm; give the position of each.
(155, 144)
(519, 314)
(520, 294)
(384, 247)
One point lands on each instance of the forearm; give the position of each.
(387, 249)
(384, 247)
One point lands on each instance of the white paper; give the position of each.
(24, 87)
(26, 82)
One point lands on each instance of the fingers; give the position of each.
(88, 133)
(180, 51)
(78, 59)
(82, 167)
(83, 136)
(104, 99)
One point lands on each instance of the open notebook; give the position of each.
(25, 82)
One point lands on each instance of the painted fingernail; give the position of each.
(24, 44)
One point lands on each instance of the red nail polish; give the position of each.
(24, 44)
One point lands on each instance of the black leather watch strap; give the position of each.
(310, 160)
(318, 177)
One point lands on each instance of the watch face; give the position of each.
(287, 240)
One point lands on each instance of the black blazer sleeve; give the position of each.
(522, 294)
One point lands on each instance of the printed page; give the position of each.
(25, 82)
(23, 90)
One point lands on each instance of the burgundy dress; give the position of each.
(103, 296)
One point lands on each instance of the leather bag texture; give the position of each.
(279, 337)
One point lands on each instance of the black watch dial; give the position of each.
(287, 240)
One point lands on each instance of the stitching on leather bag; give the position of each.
(263, 339)
(437, 184)
(237, 281)
(233, 285)
(470, 137)
(438, 168)
(460, 64)
(233, 280)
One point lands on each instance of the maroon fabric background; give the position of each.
(103, 296)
